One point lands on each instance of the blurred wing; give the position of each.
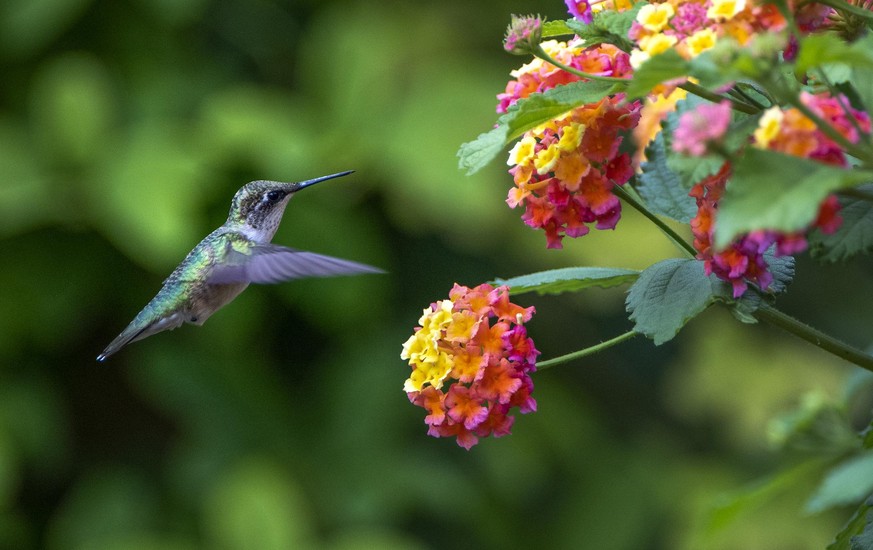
(271, 263)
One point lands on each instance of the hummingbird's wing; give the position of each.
(271, 263)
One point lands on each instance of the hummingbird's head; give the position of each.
(258, 206)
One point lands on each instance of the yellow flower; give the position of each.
(654, 17)
(522, 152)
(546, 159)
(768, 126)
(700, 41)
(571, 137)
(432, 373)
(722, 10)
(657, 43)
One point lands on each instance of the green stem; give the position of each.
(587, 351)
(815, 337)
(749, 99)
(541, 53)
(683, 245)
(698, 90)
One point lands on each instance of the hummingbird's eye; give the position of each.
(274, 195)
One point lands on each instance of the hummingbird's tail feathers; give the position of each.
(271, 263)
(139, 329)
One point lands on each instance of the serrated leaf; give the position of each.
(782, 268)
(854, 527)
(770, 190)
(846, 483)
(662, 188)
(556, 28)
(526, 114)
(475, 154)
(667, 295)
(609, 26)
(659, 68)
(855, 235)
(556, 281)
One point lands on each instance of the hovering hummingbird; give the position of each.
(228, 259)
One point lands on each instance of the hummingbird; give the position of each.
(224, 263)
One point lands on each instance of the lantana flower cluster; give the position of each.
(539, 76)
(471, 361)
(788, 131)
(691, 27)
(564, 171)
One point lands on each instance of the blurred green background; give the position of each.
(126, 128)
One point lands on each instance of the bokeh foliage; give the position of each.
(125, 128)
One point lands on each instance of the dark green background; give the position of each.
(125, 129)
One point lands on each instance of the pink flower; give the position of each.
(698, 128)
(581, 10)
(523, 34)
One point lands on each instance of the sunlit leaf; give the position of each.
(556, 28)
(526, 114)
(667, 295)
(770, 190)
(569, 279)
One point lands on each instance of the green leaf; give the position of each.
(609, 27)
(770, 190)
(556, 281)
(475, 154)
(864, 541)
(782, 268)
(847, 483)
(662, 188)
(556, 28)
(667, 295)
(821, 49)
(846, 539)
(855, 235)
(526, 114)
(659, 68)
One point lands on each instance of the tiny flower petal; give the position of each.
(655, 17)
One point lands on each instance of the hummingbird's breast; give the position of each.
(210, 298)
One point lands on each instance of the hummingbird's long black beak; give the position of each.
(300, 185)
